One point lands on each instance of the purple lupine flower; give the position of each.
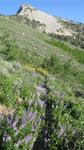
(13, 125)
(30, 114)
(16, 129)
(40, 90)
(28, 138)
(15, 122)
(33, 117)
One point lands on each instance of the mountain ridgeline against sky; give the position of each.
(46, 22)
(41, 82)
(54, 26)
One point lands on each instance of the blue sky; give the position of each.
(70, 9)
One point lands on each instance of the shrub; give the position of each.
(76, 53)
(55, 66)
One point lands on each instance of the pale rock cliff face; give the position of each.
(51, 24)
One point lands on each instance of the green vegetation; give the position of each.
(41, 90)
(75, 52)
(78, 36)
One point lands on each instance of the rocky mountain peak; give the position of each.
(24, 8)
(42, 21)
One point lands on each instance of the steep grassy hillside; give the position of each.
(56, 27)
(41, 90)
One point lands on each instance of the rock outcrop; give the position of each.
(46, 22)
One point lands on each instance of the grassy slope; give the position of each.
(65, 78)
(37, 44)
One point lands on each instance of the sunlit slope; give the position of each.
(38, 46)
(33, 41)
(41, 89)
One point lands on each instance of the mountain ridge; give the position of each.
(51, 23)
(56, 27)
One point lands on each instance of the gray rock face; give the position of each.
(46, 22)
